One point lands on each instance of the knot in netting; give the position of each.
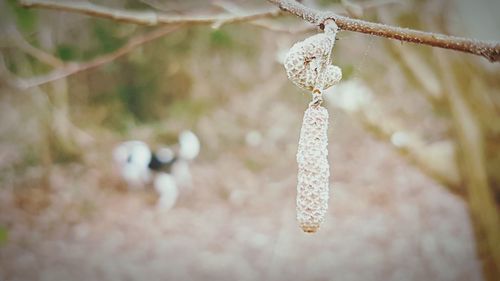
(308, 64)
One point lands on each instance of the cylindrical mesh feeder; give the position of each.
(314, 171)
(308, 66)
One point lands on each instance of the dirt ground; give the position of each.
(387, 220)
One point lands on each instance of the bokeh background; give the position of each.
(414, 148)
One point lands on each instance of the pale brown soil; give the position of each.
(387, 221)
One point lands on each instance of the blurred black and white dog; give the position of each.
(167, 169)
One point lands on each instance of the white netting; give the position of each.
(308, 66)
(314, 171)
(307, 63)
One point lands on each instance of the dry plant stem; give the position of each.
(487, 49)
(143, 18)
(74, 68)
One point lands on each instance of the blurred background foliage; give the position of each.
(439, 109)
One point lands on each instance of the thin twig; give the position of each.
(283, 29)
(146, 18)
(24, 45)
(143, 18)
(73, 68)
(487, 49)
(263, 23)
(374, 4)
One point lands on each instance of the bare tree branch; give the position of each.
(143, 18)
(37, 53)
(263, 23)
(487, 49)
(146, 18)
(280, 28)
(73, 68)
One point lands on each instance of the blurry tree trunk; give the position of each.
(63, 137)
(471, 112)
(41, 111)
(471, 155)
(42, 108)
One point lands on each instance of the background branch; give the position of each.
(436, 159)
(18, 39)
(471, 141)
(263, 23)
(143, 18)
(74, 68)
(487, 49)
